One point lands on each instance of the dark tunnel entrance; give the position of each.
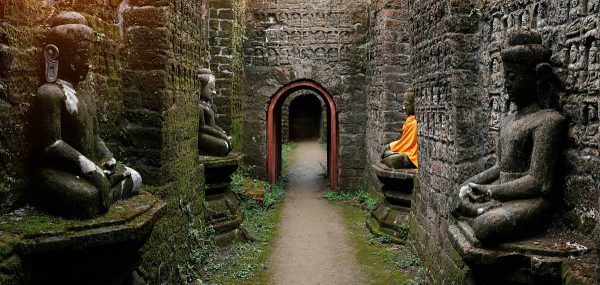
(305, 118)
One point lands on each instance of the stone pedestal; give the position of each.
(36, 248)
(223, 212)
(392, 216)
(543, 259)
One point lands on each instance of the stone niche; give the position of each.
(391, 218)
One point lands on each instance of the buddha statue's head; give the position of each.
(525, 62)
(409, 102)
(67, 50)
(207, 79)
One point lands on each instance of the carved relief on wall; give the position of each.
(287, 35)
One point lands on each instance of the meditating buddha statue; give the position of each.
(514, 198)
(403, 153)
(78, 175)
(212, 140)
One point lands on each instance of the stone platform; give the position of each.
(544, 259)
(223, 212)
(36, 248)
(391, 217)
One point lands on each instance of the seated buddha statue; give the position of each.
(212, 140)
(77, 174)
(514, 198)
(403, 153)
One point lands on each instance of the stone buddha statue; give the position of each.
(514, 198)
(212, 140)
(78, 175)
(403, 152)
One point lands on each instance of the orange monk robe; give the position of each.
(408, 142)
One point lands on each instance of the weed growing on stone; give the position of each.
(404, 261)
(203, 242)
(374, 239)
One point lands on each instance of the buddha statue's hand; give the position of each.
(108, 166)
(119, 173)
(96, 176)
(482, 191)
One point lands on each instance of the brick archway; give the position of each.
(274, 128)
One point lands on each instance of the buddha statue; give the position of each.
(403, 152)
(514, 198)
(212, 140)
(78, 175)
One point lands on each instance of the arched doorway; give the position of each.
(274, 128)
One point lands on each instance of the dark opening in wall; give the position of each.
(305, 118)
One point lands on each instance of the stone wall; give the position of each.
(388, 74)
(319, 40)
(145, 59)
(164, 48)
(445, 64)
(226, 35)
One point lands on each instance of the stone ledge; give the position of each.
(384, 171)
(543, 259)
(231, 159)
(390, 221)
(37, 248)
(37, 232)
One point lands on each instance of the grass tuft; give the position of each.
(360, 196)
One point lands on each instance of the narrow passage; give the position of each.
(313, 245)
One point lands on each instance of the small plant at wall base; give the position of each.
(360, 196)
(246, 263)
(203, 244)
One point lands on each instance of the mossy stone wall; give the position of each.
(145, 60)
(164, 48)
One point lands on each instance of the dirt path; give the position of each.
(313, 246)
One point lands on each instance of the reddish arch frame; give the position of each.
(273, 128)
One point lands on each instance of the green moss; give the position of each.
(382, 263)
(434, 258)
(238, 36)
(29, 223)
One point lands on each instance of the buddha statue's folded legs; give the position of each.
(211, 145)
(74, 195)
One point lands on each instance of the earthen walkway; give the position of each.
(313, 246)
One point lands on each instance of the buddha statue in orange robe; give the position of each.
(403, 153)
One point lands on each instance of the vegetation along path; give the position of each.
(314, 237)
(313, 245)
